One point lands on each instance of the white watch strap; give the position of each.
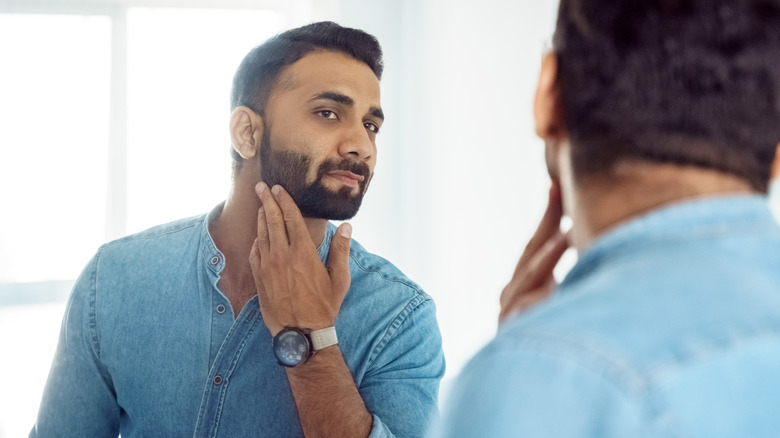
(323, 338)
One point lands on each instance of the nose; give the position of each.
(357, 144)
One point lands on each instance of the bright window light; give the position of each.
(54, 85)
(180, 69)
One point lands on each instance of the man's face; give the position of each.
(319, 134)
(315, 200)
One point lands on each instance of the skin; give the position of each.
(271, 249)
(595, 204)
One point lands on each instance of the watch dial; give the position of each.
(291, 348)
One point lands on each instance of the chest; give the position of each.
(237, 288)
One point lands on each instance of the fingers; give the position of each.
(254, 264)
(270, 222)
(550, 223)
(262, 242)
(283, 220)
(293, 219)
(543, 263)
(536, 280)
(522, 302)
(533, 279)
(338, 260)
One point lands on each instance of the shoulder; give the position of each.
(542, 388)
(551, 372)
(373, 272)
(386, 315)
(164, 231)
(161, 237)
(165, 251)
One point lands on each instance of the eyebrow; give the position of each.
(347, 101)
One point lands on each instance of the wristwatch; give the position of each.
(293, 346)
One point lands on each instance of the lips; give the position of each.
(346, 177)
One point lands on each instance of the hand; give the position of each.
(533, 279)
(293, 286)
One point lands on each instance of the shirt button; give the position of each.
(215, 260)
(218, 379)
(220, 308)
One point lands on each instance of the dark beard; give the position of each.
(289, 170)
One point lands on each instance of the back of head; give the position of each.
(258, 72)
(689, 82)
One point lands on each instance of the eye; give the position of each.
(371, 127)
(327, 114)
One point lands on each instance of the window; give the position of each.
(179, 73)
(108, 111)
(52, 162)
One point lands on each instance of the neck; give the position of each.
(597, 204)
(235, 228)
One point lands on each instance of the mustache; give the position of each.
(356, 167)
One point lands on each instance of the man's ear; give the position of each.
(548, 109)
(246, 132)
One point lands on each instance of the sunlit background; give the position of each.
(113, 118)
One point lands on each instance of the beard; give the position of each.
(289, 170)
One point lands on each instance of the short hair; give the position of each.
(256, 76)
(689, 82)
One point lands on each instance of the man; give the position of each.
(260, 318)
(660, 120)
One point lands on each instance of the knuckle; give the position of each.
(291, 213)
(272, 216)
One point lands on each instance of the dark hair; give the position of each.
(257, 74)
(690, 82)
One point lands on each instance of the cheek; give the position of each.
(311, 172)
(310, 147)
(372, 160)
(371, 166)
(316, 159)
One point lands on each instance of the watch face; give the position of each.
(291, 347)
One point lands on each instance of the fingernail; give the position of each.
(260, 188)
(346, 230)
(275, 189)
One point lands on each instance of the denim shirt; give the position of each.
(668, 326)
(149, 346)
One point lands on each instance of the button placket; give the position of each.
(224, 363)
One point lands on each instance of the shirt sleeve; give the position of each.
(519, 392)
(79, 398)
(401, 386)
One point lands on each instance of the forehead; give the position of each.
(322, 71)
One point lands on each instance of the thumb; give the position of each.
(338, 260)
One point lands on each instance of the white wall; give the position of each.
(461, 181)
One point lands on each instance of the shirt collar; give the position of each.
(685, 220)
(215, 260)
(212, 257)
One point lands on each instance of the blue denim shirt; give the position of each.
(668, 326)
(150, 347)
